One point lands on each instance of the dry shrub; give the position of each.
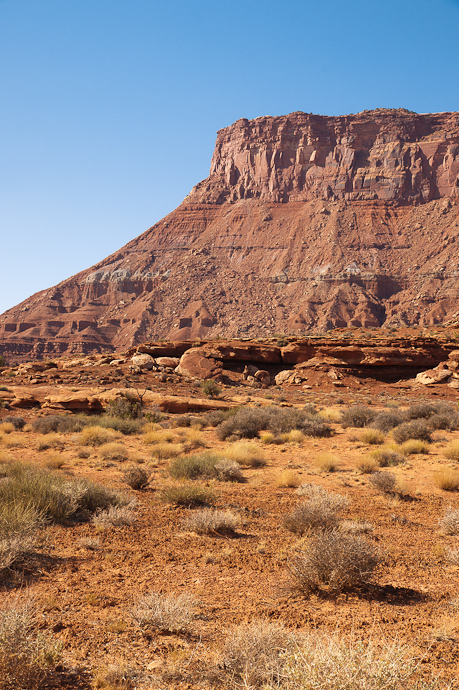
(115, 516)
(17, 422)
(114, 451)
(13, 440)
(326, 462)
(61, 423)
(387, 457)
(330, 414)
(414, 447)
(367, 465)
(340, 561)
(19, 525)
(136, 477)
(319, 512)
(5, 457)
(416, 429)
(245, 453)
(372, 437)
(246, 423)
(124, 425)
(188, 495)
(441, 415)
(324, 662)
(387, 420)
(53, 461)
(194, 439)
(268, 437)
(165, 451)
(293, 436)
(115, 678)
(449, 523)
(254, 654)
(51, 440)
(25, 656)
(249, 422)
(228, 471)
(447, 479)
(288, 479)
(451, 452)
(6, 428)
(453, 556)
(209, 520)
(385, 482)
(356, 527)
(155, 436)
(97, 436)
(357, 416)
(164, 612)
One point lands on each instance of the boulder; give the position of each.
(194, 364)
(143, 361)
(439, 374)
(168, 362)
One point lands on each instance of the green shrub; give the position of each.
(210, 388)
(340, 561)
(127, 406)
(194, 466)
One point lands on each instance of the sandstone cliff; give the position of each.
(304, 223)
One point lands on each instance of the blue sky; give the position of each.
(110, 108)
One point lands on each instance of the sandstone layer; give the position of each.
(305, 223)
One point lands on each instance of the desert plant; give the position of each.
(165, 451)
(60, 423)
(415, 429)
(209, 520)
(245, 453)
(246, 423)
(97, 436)
(387, 420)
(136, 477)
(25, 656)
(53, 461)
(127, 406)
(114, 451)
(385, 482)
(158, 436)
(338, 560)
(125, 425)
(254, 654)
(451, 452)
(326, 462)
(386, 457)
(17, 422)
(449, 523)
(367, 465)
(115, 677)
(356, 526)
(187, 495)
(330, 414)
(19, 526)
(114, 516)
(210, 388)
(6, 428)
(372, 437)
(51, 440)
(320, 512)
(228, 471)
(441, 415)
(357, 416)
(447, 479)
(194, 466)
(288, 479)
(414, 447)
(163, 612)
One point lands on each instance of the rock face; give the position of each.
(304, 223)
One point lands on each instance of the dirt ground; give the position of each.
(85, 580)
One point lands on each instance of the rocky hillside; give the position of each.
(305, 223)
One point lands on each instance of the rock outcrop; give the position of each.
(305, 223)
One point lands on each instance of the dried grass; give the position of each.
(209, 520)
(288, 479)
(446, 479)
(164, 612)
(245, 453)
(449, 523)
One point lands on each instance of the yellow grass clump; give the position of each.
(326, 462)
(51, 440)
(330, 414)
(447, 479)
(451, 451)
(372, 437)
(366, 465)
(97, 436)
(288, 479)
(164, 451)
(245, 453)
(414, 447)
(156, 436)
(6, 428)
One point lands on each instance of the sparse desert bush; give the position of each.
(338, 560)
(288, 479)
(326, 462)
(268, 437)
(115, 677)
(324, 662)
(449, 523)
(13, 440)
(415, 429)
(356, 526)
(157, 436)
(254, 654)
(451, 451)
(194, 466)
(114, 516)
(385, 482)
(164, 612)
(127, 406)
(357, 416)
(330, 414)
(319, 512)
(136, 477)
(414, 447)
(228, 471)
(125, 425)
(246, 423)
(53, 461)
(441, 415)
(19, 525)
(249, 422)
(194, 439)
(216, 417)
(367, 464)
(387, 420)
(210, 388)
(52, 495)
(245, 453)
(188, 495)
(6, 428)
(97, 436)
(17, 422)
(5, 458)
(447, 479)
(372, 437)
(165, 451)
(209, 520)
(60, 423)
(386, 457)
(25, 656)
(293, 436)
(114, 451)
(51, 440)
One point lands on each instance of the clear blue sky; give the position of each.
(109, 108)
